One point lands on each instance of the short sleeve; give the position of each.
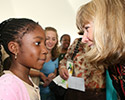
(56, 62)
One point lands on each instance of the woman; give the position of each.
(51, 64)
(107, 38)
(94, 77)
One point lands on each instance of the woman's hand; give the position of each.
(64, 73)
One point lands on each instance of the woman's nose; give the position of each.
(84, 39)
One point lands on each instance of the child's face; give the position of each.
(65, 42)
(32, 52)
(51, 39)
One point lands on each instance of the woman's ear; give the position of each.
(13, 47)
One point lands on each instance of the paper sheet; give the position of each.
(73, 83)
(61, 82)
(76, 83)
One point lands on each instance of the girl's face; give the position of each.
(65, 42)
(32, 52)
(88, 34)
(51, 39)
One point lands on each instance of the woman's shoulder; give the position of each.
(72, 46)
(76, 40)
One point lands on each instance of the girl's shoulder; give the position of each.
(10, 80)
(11, 86)
(6, 79)
(7, 84)
(56, 60)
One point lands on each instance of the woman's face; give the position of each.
(88, 34)
(51, 39)
(65, 42)
(32, 52)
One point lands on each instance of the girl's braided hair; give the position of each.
(14, 29)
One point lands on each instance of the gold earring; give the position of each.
(15, 56)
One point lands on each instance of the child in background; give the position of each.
(65, 42)
(58, 90)
(50, 66)
(23, 39)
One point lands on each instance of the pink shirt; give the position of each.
(12, 88)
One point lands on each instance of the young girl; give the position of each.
(23, 39)
(51, 64)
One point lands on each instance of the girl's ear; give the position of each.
(13, 47)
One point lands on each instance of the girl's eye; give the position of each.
(37, 43)
(54, 39)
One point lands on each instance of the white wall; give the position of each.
(56, 13)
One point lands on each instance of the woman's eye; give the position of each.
(87, 27)
(37, 43)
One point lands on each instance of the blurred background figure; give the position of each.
(50, 66)
(6, 63)
(3, 56)
(65, 43)
(58, 90)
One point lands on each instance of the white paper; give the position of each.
(61, 82)
(76, 83)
